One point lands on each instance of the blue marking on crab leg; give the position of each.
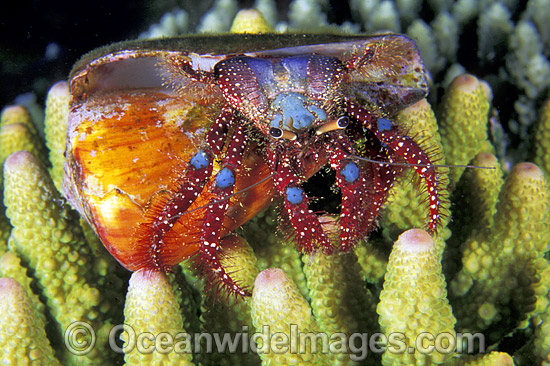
(225, 178)
(294, 195)
(359, 205)
(350, 172)
(199, 160)
(308, 231)
(211, 227)
(194, 179)
(405, 147)
(384, 124)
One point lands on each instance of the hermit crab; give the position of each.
(172, 144)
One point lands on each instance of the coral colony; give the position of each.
(469, 286)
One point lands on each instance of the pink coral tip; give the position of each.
(528, 170)
(19, 159)
(272, 285)
(60, 88)
(8, 285)
(421, 105)
(14, 109)
(145, 278)
(486, 159)
(270, 278)
(415, 241)
(466, 82)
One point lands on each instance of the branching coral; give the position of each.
(22, 333)
(152, 308)
(333, 285)
(413, 303)
(48, 239)
(501, 261)
(493, 255)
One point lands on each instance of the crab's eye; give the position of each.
(276, 132)
(342, 122)
(333, 125)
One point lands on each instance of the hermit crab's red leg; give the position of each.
(309, 232)
(384, 175)
(197, 174)
(353, 183)
(211, 227)
(364, 188)
(388, 133)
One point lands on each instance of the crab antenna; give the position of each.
(421, 165)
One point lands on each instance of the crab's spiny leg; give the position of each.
(309, 232)
(353, 182)
(388, 133)
(197, 174)
(364, 189)
(211, 227)
(384, 175)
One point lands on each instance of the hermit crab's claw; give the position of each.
(309, 233)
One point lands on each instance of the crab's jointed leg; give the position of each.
(211, 227)
(197, 174)
(309, 232)
(364, 189)
(388, 133)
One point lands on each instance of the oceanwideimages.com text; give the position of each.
(80, 338)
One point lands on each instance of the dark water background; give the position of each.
(40, 40)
